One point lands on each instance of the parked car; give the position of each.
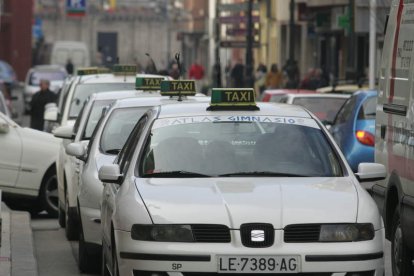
(354, 128)
(28, 165)
(54, 73)
(324, 106)
(342, 88)
(76, 51)
(275, 95)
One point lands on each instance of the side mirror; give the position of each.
(110, 173)
(51, 112)
(4, 127)
(371, 172)
(64, 132)
(77, 150)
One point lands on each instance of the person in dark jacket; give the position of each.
(39, 100)
(237, 75)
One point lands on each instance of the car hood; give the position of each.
(234, 201)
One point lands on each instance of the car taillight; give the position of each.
(365, 138)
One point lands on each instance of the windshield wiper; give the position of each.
(262, 174)
(113, 151)
(178, 174)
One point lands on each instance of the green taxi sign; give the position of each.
(148, 84)
(178, 88)
(233, 98)
(124, 70)
(87, 71)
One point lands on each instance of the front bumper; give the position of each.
(182, 258)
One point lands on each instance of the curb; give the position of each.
(17, 256)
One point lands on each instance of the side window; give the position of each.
(346, 111)
(124, 157)
(78, 119)
(368, 109)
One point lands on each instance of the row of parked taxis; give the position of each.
(155, 179)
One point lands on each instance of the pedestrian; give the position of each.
(274, 79)
(69, 67)
(174, 72)
(291, 70)
(197, 73)
(260, 77)
(237, 74)
(39, 100)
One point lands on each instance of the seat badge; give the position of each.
(257, 235)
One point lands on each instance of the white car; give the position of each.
(81, 88)
(235, 187)
(54, 73)
(27, 164)
(108, 140)
(82, 132)
(324, 106)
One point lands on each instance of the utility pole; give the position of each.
(217, 66)
(372, 42)
(292, 30)
(249, 51)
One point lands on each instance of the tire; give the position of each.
(401, 255)
(88, 261)
(49, 194)
(61, 216)
(71, 223)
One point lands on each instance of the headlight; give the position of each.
(162, 233)
(346, 232)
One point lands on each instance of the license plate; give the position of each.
(258, 264)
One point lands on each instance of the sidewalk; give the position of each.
(16, 250)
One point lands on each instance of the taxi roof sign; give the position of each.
(178, 88)
(233, 98)
(124, 70)
(148, 83)
(87, 71)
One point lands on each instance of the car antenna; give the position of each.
(177, 59)
(153, 64)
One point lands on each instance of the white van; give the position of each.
(76, 51)
(394, 136)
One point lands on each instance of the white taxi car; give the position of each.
(235, 187)
(27, 164)
(88, 81)
(107, 141)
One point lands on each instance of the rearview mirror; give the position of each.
(64, 132)
(4, 127)
(51, 112)
(76, 149)
(110, 173)
(371, 172)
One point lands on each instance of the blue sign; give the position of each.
(76, 7)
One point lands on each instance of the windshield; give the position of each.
(225, 146)
(324, 108)
(94, 115)
(83, 91)
(119, 126)
(35, 77)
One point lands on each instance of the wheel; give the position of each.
(49, 194)
(71, 223)
(61, 216)
(401, 255)
(88, 261)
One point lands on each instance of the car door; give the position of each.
(10, 152)
(111, 189)
(343, 124)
